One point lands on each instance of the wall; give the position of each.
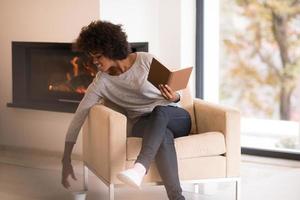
(188, 38)
(211, 51)
(139, 19)
(168, 26)
(45, 21)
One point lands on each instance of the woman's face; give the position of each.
(103, 63)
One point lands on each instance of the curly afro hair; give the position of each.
(105, 38)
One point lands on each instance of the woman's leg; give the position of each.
(166, 162)
(152, 129)
(158, 130)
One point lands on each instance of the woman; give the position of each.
(156, 116)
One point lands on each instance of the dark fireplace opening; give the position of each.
(50, 76)
(54, 77)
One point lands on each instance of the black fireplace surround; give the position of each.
(50, 76)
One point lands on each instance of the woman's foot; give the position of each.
(133, 176)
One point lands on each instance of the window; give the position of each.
(259, 69)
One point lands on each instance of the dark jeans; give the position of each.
(158, 130)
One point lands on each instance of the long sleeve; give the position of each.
(177, 103)
(91, 97)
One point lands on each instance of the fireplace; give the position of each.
(50, 76)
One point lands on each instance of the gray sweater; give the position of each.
(130, 90)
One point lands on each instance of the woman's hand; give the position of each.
(67, 170)
(168, 93)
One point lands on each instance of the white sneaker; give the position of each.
(131, 177)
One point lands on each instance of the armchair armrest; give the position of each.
(104, 141)
(225, 119)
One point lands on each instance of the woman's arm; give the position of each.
(71, 137)
(68, 151)
(67, 168)
(91, 97)
(178, 98)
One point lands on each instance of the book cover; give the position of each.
(177, 79)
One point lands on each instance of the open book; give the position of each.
(176, 79)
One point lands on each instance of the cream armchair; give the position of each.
(211, 152)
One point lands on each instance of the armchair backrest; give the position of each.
(113, 106)
(187, 103)
(119, 109)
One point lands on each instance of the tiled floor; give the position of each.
(32, 177)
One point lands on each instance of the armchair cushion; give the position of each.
(191, 146)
